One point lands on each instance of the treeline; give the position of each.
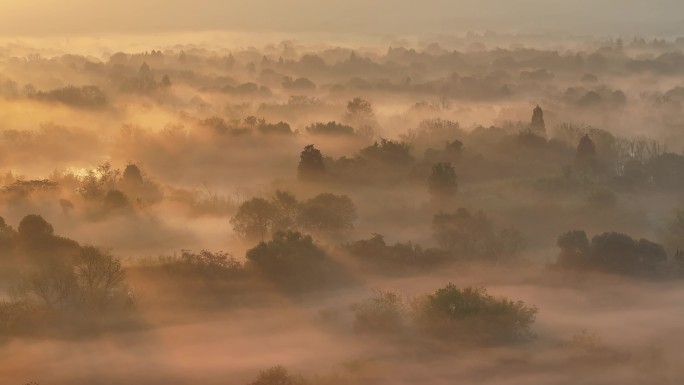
(56, 284)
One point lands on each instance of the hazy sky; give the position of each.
(51, 17)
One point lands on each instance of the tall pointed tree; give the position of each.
(538, 126)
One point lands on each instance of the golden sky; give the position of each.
(50, 17)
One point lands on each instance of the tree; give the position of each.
(585, 157)
(7, 238)
(165, 81)
(330, 128)
(55, 284)
(99, 181)
(311, 166)
(442, 182)
(99, 275)
(132, 175)
(471, 314)
(254, 219)
(287, 207)
(611, 252)
(360, 115)
(115, 200)
(537, 126)
(293, 261)
(674, 230)
(463, 233)
(400, 257)
(383, 313)
(389, 153)
(574, 247)
(37, 240)
(328, 214)
(145, 72)
(34, 228)
(359, 106)
(614, 252)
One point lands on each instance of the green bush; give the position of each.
(471, 314)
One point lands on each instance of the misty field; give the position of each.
(481, 209)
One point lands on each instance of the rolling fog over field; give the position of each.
(229, 192)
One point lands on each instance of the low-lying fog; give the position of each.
(487, 208)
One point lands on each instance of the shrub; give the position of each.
(293, 261)
(375, 253)
(611, 252)
(470, 314)
(473, 235)
(278, 375)
(209, 263)
(330, 128)
(383, 313)
(328, 214)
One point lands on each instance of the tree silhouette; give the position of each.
(254, 219)
(116, 200)
(442, 182)
(537, 126)
(35, 228)
(610, 252)
(471, 313)
(585, 157)
(328, 214)
(574, 247)
(132, 175)
(287, 207)
(293, 261)
(463, 233)
(311, 166)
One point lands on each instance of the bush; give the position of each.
(330, 128)
(93, 283)
(82, 97)
(278, 375)
(383, 313)
(389, 153)
(442, 182)
(328, 214)
(473, 235)
(375, 253)
(470, 314)
(207, 263)
(293, 260)
(612, 253)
